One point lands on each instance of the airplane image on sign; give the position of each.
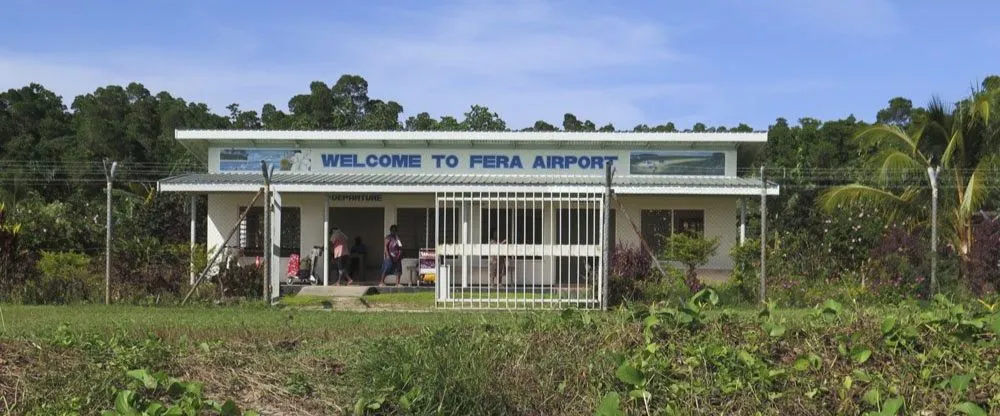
(677, 163)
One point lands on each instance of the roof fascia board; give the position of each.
(374, 136)
(424, 189)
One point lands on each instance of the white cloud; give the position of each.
(526, 60)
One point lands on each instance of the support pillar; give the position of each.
(326, 241)
(743, 221)
(465, 243)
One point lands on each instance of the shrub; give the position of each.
(692, 250)
(62, 278)
(146, 268)
(241, 281)
(984, 256)
(10, 254)
(629, 266)
(898, 266)
(631, 262)
(746, 268)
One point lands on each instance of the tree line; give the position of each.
(51, 176)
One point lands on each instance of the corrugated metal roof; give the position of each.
(397, 179)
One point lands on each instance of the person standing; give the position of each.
(338, 245)
(392, 254)
(498, 262)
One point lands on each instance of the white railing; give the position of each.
(519, 250)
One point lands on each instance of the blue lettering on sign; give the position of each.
(495, 162)
(476, 161)
(371, 161)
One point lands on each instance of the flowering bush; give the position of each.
(898, 266)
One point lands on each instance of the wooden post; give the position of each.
(110, 175)
(605, 232)
(267, 232)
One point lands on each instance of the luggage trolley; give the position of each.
(427, 261)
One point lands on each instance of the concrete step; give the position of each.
(352, 291)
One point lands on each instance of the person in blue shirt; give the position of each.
(358, 252)
(359, 247)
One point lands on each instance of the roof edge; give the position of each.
(465, 136)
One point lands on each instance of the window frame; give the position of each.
(675, 226)
(286, 247)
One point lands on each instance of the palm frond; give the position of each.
(978, 187)
(896, 164)
(884, 135)
(955, 144)
(981, 107)
(858, 194)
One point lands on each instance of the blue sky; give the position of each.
(714, 61)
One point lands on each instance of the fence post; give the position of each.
(763, 235)
(194, 221)
(932, 173)
(606, 232)
(110, 175)
(267, 232)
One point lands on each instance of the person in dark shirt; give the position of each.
(392, 253)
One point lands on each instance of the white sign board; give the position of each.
(551, 162)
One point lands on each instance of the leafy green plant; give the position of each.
(62, 278)
(693, 250)
(10, 253)
(156, 394)
(746, 268)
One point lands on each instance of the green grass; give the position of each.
(422, 299)
(209, 322)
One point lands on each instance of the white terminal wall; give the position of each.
(721, 219)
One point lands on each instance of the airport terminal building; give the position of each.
(460, 194)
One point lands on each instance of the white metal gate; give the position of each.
(519, 250)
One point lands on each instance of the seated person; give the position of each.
(358, 253)
(359, 247)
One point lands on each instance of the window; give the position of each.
(516, 225)
(659, 224)
(252, 231)
(574, 224)
(656, 226)
(692, 221)
(416, 229)
(291, 231)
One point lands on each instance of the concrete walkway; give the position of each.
(351, 291)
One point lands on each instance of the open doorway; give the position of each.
(369, 224)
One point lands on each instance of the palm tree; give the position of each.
(958, 142)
